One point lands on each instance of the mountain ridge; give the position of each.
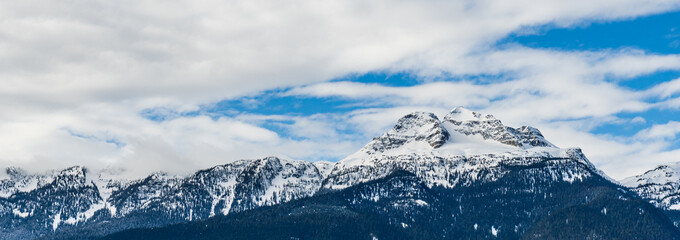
(659, 186)
(465, 150)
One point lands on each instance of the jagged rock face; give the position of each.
(530, 136)
(147, 193)
(417, 126)
(271, 181)
(471, 123)
(222, 189)
(660, 186)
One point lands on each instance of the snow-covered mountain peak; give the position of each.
(660, 175)
(414, 127)
(488, 127)
(463, 133)
(160, 176)
(15, 172)
(77, 171)
(461, 114)
(72, 177)
(659, 185)
(18, 180)
(464, 142)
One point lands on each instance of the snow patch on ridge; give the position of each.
(324, 167)
(84, 216)
(463, 115)
(56, 221)
(20, 214)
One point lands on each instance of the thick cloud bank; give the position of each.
(76, 76)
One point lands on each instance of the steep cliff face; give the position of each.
(488, 127)
(414, 127)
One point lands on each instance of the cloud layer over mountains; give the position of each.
(77, 76)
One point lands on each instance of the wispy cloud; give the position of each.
(660, 131)
(565, 94)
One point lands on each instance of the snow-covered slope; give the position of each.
(74, 196)
(19, 181)
(53, 199)
(222, 189)
(324, 167)
(661, 186)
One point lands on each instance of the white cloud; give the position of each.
(179, 145)
(566, 95)
(660, 131)
(665, 90)
(638, 119)
(549, 86)
(619, 157)
(90, 67)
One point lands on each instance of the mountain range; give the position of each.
(465, 176)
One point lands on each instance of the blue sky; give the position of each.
(655, 34)
(659, 34)
(192, 85)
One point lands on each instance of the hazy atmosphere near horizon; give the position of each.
(177, 86)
